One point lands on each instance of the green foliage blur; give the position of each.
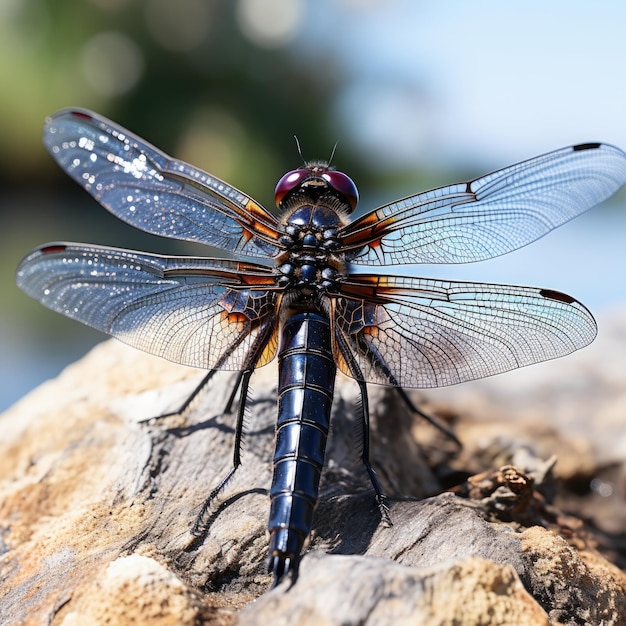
(203, 80)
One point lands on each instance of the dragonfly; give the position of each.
(297, 287)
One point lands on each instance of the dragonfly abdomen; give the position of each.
(305, 394)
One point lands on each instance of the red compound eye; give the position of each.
(338, 181)
(289, 182)
(344, 185)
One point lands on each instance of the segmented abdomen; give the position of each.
(305, 394)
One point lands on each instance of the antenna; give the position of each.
(299, 148)
(332, 154)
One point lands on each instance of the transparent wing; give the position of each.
(491, 215)
(148, 189)
(206, 313)
(421, 333)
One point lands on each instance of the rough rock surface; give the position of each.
(96, 505)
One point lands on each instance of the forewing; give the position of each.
(421, 333)
(148, 189)
(491, 215)
(205, 313)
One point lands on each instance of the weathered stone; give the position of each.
(336, 590)
(96, 506)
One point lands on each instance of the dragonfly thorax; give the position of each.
(309, 262)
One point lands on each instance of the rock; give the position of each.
(96, 507)
(377, 592)
(574, 586)
(134, 589)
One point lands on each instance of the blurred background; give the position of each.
(419, 95)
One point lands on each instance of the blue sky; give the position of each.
(487, 81)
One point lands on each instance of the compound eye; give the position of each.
(289, 182)
(343, 185)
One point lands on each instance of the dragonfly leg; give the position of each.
(184, 407)
(386, 371)
(381, 499)
(228, 409)
(440, 426)
(243, 381)
(364, 418)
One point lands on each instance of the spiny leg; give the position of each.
(440, 426)
(377, 360)
(364, 419)
(182, 410)
(243, 380)
(381, 499)
(228, 409)
(205, 381)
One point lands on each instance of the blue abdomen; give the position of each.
(305, 394)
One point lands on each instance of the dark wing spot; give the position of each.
(556, 295)
(82, 115)
(53, 249)
(586, 146)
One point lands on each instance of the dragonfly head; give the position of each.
(320, 177)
